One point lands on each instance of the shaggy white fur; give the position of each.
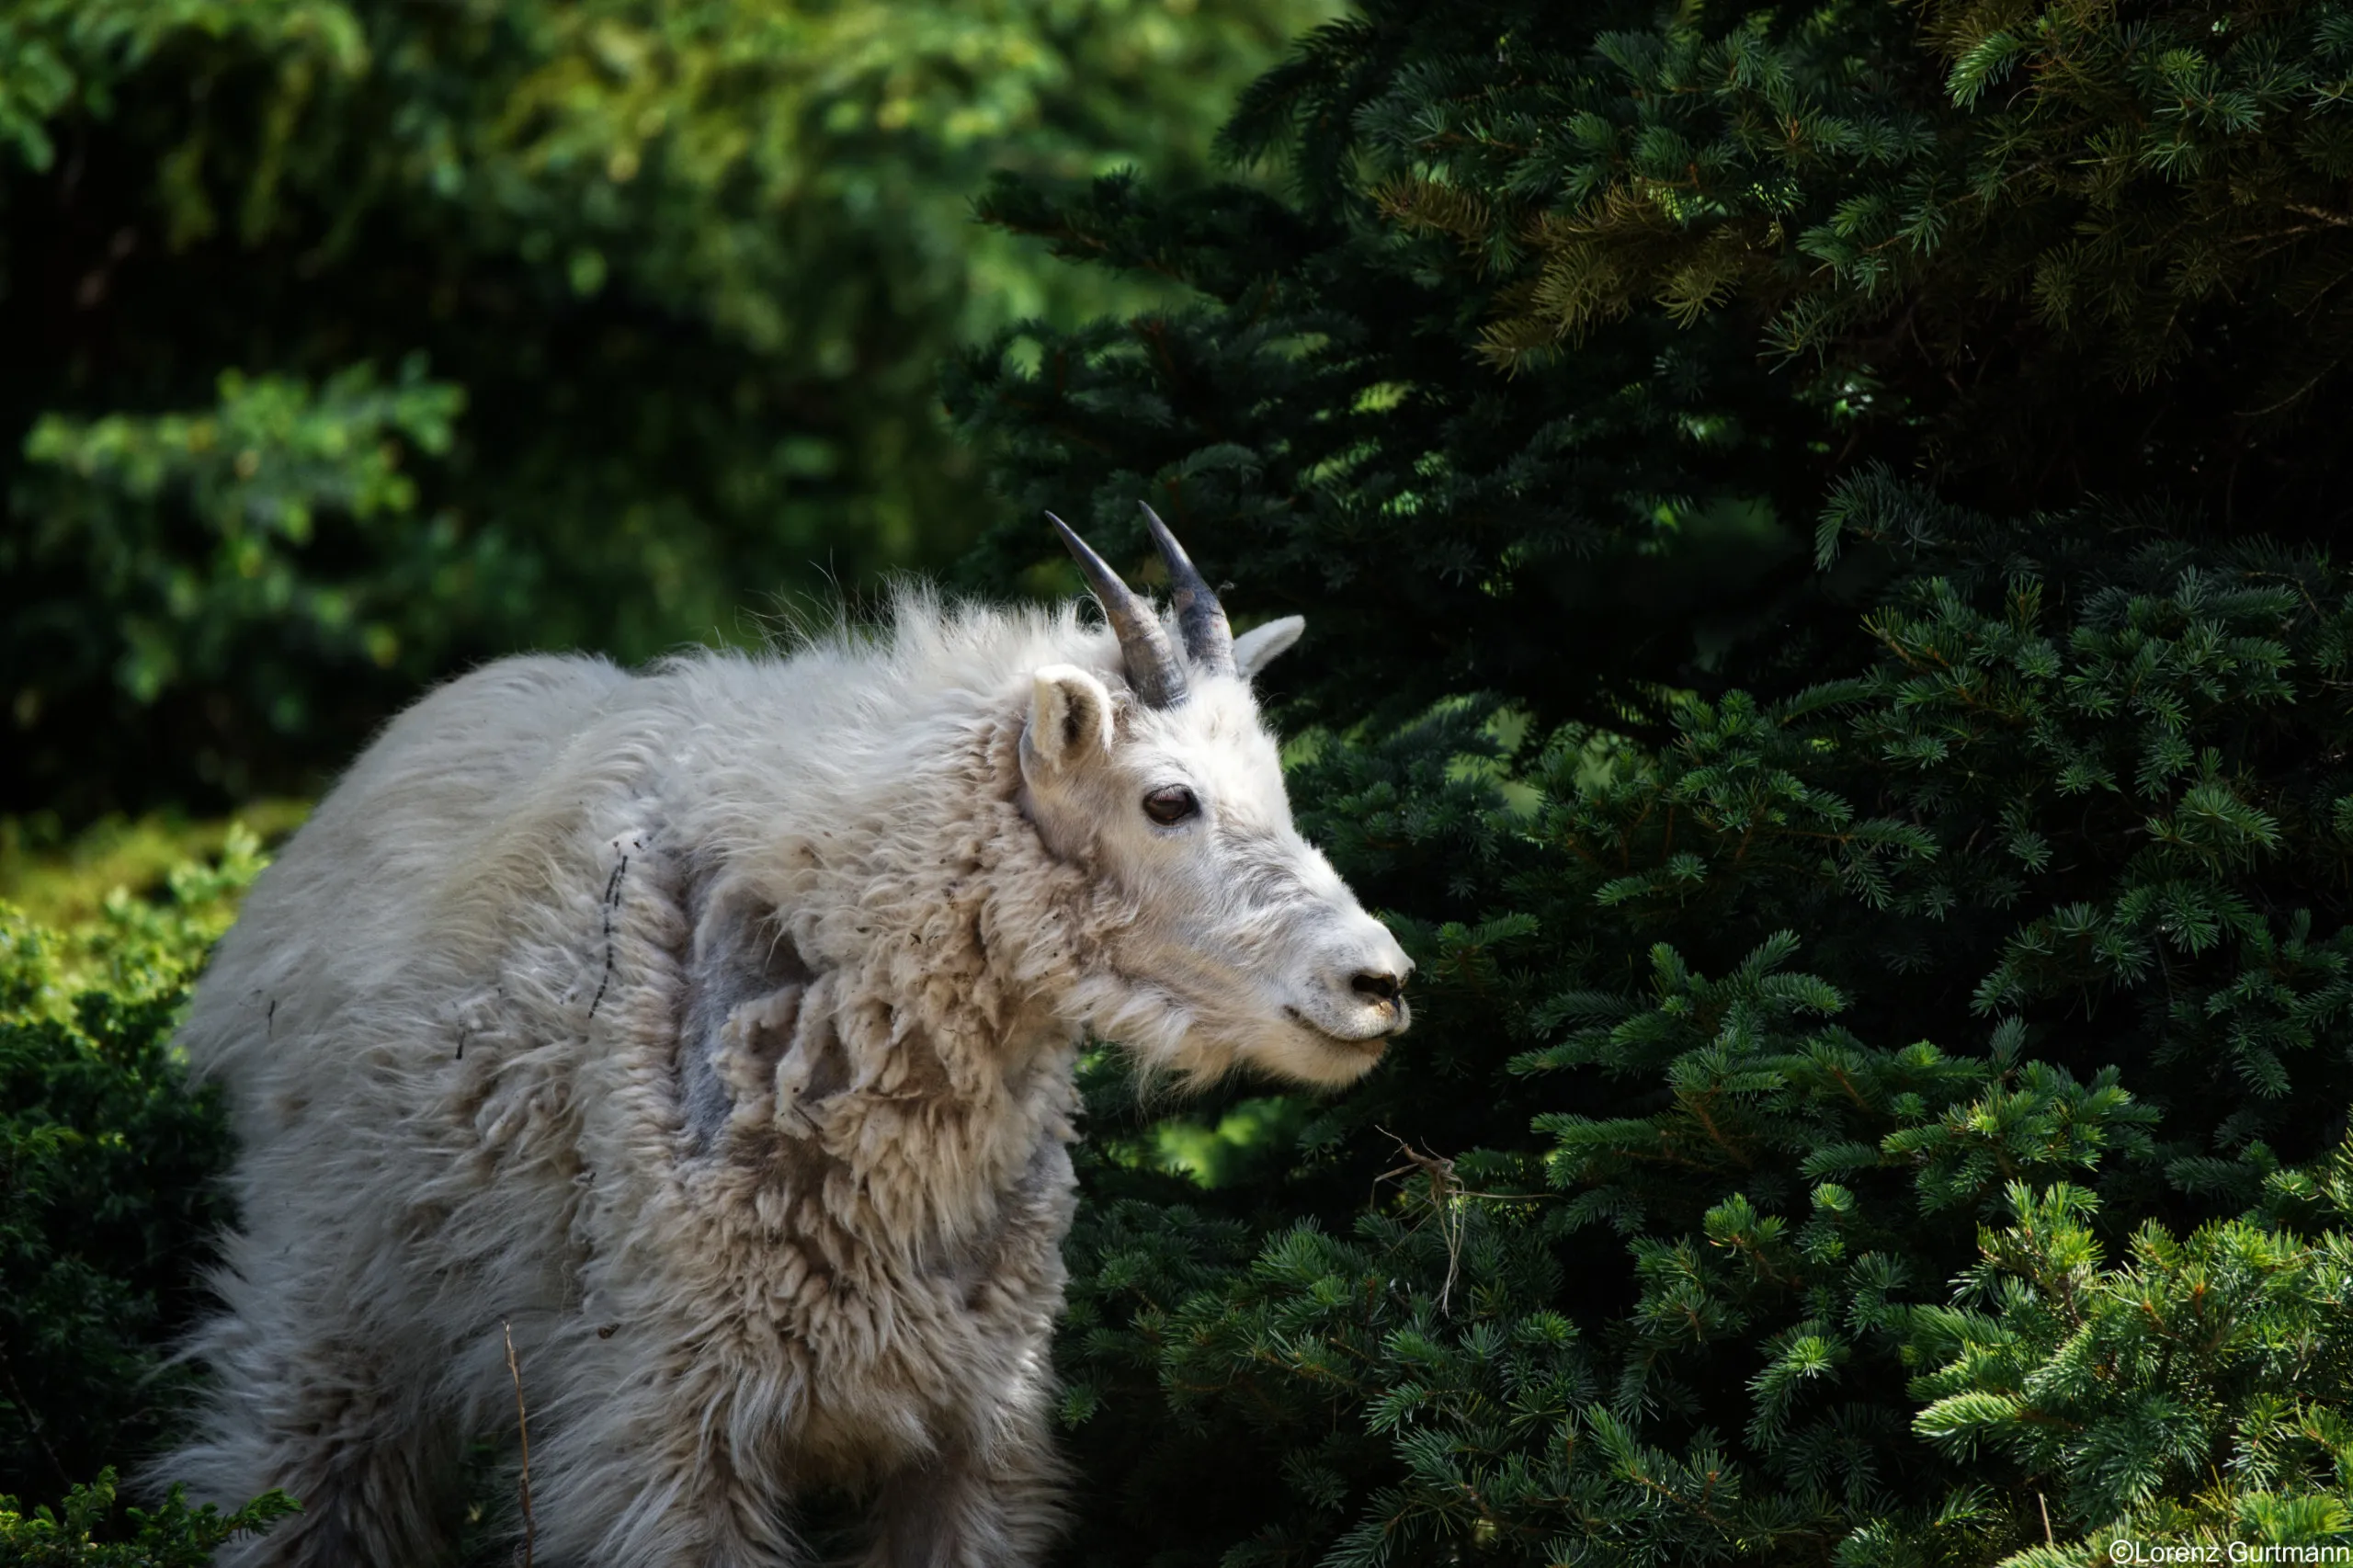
(714, 1027)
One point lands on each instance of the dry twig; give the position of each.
(1445, 1202)
(1448, 1202)
(523, 1425)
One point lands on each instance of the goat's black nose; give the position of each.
(1383, 987)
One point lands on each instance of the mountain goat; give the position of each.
(713, 1031)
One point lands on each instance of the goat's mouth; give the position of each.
(1355, 1045)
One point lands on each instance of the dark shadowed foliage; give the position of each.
(1808, 521)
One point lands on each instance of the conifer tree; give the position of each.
(1805, 517)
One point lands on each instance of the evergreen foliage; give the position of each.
(351, 342)
(1813, 638)
(1663, 1261)
(1723, 255)
(1971, 209)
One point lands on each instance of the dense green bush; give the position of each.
(1677, 1197)
(350, 342)
(1803, 515)
(172, 1536)
(108, 1165)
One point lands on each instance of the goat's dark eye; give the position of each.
(1170, 806)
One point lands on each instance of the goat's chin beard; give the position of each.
(1305, 1054)
(1283, 1053)
(1286, 1050)
(1191, 1047)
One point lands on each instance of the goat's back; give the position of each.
(469, 786)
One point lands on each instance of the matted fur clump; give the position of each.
(713, 1027)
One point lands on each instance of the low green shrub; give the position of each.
(171, 1536)
(108, 1165)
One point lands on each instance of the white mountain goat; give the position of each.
(714, 1028)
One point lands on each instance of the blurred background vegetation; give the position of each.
(352, 343)
(1817, 527)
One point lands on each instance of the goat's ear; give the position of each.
(1256, 648)
(1070, 717)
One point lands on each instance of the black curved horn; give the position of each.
(1209, 636)
(1153, 669)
